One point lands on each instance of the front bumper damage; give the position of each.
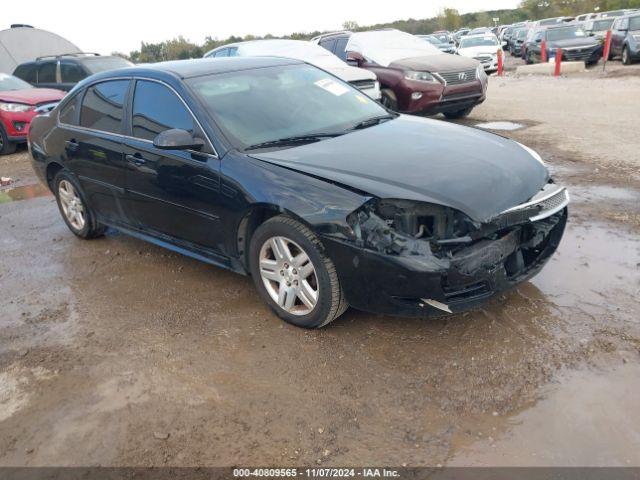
(410, 280)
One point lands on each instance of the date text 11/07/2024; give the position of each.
(316, 472)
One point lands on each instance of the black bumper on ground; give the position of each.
(404, 285)
(455, 103)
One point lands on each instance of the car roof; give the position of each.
(199, 67)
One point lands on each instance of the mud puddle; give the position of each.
(594, 272)
(586, 418)
(25, 192)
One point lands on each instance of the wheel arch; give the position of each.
(255, 216)
(51, 171)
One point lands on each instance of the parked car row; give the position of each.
(581, 38)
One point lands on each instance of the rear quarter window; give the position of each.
(28, 73)
(69, 112)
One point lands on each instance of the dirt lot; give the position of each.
(116, 352)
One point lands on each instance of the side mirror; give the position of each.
(354, 59)
(504, 44)
(538, 40)
(592, 34)
(177, 139)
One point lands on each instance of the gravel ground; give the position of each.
(116, 352)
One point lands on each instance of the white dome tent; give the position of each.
(23, 43)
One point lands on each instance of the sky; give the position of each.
(121, 25)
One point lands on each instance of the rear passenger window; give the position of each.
(28, 73)
(341, 45)
(47, 72)
(329, 44)
(71, 72)
(156, 109)
(68, 112)
(102, 106)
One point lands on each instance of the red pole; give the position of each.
(607, 50)
(558, 62)
(500, 63)
(543, 51)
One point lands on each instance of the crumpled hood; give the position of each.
(476, 172)
(435, 63)
(32, 96)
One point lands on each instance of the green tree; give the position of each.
(350, 25)
(451, 19)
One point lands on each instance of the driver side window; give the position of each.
(156, 109)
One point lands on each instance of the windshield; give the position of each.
(567, 33)
(431, 40)
(9, 82)
(386, 46)
(634, 23)
(601, 25)
(468, 42)
(521, 33)
(267, 104)
(101, 64)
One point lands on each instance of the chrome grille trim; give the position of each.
(452, 78)
(551, 199)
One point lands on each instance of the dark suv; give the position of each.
(415, 77)
(625, 38)
(64, 71)
(576, 45)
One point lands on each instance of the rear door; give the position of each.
(93, 146)
(71, 73)
(172, 192)
(48, 74)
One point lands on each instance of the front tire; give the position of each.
(73, 207)
(458, 113)
(389, 99)
(293, 274)
(6, 147)
(626, 56)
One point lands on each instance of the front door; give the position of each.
(171, 192)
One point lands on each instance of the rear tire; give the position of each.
(73, 207)
(293, 274)
(458, 114)
(6, 147)
(389, 99)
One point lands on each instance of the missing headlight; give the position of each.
(408, 227)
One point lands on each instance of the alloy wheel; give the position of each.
(289, 275)
(72, 205)
(625, 56)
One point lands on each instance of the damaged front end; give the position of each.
(420, 258)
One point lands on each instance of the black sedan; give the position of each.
(276, 169)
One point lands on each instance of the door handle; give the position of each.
(71, 145)
(136, 159)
